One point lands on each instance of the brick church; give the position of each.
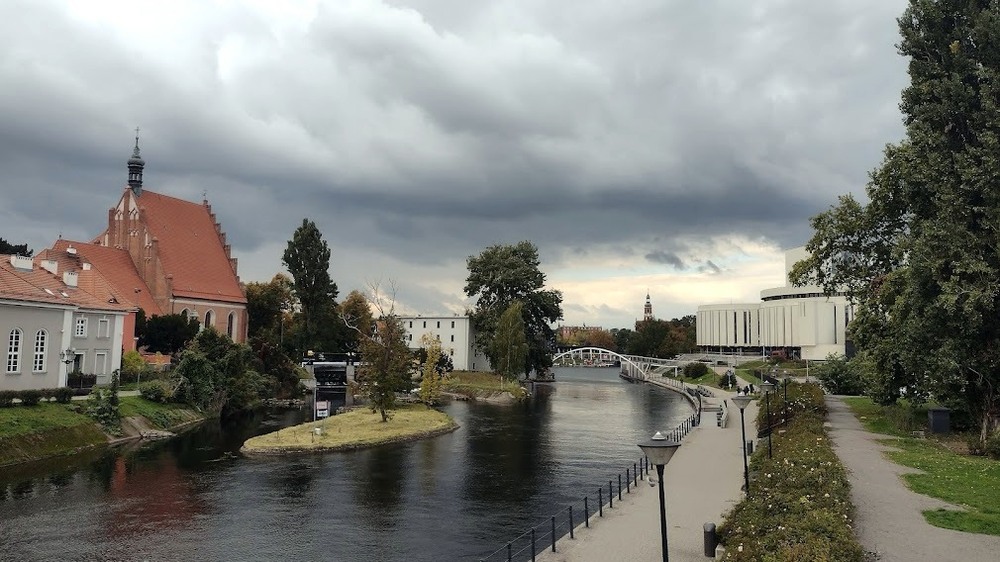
(163, 255)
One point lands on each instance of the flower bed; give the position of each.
(799, 505)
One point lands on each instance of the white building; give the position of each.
(800, 321)
(456, 335)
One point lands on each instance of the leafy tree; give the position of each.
(356, 312)
(267, 304)
(921, 260)
(430, 384)
(500, 275)
(695, 370)
(623, 338)
(509, 347)
(15, 249)
(168, 333)
(216, 374)
(840, 376)
(386, 361)
(307, 258)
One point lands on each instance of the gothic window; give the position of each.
(231, 325)
(209, 319)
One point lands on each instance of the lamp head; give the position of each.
(742, 401)
(658, 449)
(768, 387)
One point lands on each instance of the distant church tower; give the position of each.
(647, 310)
(135, 166)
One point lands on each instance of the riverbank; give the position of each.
(356, 429)
(483, 387)
(32, 433)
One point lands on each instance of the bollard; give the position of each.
(711, 540)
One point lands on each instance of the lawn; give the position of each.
(355, 429)
(34, 432)
(972, 483)
(21, 420)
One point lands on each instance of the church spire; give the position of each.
(135, 166)
(647, 310)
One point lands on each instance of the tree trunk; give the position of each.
(385, 415)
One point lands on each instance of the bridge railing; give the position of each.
(551, 530)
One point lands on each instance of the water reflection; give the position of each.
(454, 497)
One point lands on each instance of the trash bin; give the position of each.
(939, 420)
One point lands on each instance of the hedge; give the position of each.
(799, 505)
(33, 396)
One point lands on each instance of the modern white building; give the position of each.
(456, 335)
(801, 322)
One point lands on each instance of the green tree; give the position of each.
(168, 333)
(15, 249)
(267, 305)
(385, 360)
(307, 258)
(500, 275)
(840, 376)
(509, 347)
(216, 374)
(430, 383)
(922, 259)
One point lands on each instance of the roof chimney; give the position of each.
(51, 266)
(70, 278)
(71, 250)
(22, 262)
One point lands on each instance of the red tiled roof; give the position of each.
(190, 248)
(30, 286)
(112, 273)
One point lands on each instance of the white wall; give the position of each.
(456, 335)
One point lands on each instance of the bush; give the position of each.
(7, 398)
(64, 395)
(840, 376)
(48, 394)
(30, 397)
(102, 405)
(80, 380)
(695, 370)
(157, 390)
(992, 446)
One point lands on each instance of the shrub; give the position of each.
(30, 397)
(157, 390)
(80, 380)
(840, 376)
(695, 370)
(64, 395)
(7, 398)
(992, 446)
(48, 394)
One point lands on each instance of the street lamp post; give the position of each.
(768, 387)
(784, 399)
(659, 451)
(741, 401)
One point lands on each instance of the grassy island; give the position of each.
(357, 429)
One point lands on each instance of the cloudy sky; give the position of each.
(661, 145)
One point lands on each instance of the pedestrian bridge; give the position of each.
(634, 367)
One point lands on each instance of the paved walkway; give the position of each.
(888, 519)
(702, 482)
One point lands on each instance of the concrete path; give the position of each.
(888, 521)
(702, 482)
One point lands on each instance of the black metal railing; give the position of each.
(546, 534)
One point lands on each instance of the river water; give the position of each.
(454, 497)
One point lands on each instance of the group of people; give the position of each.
(746, 390)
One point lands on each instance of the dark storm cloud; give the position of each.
(422, 131)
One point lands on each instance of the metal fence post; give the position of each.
(619, 487)
(611, 495)
(532, 544)
(553, 533)
(571, 522)
(635, 474)
(628, 482)
(600, 502)
(509, 557)
(586, 512)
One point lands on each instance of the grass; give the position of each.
(162, 416)
(33, 432)
(354, 430)
(973, 483)
(22, 420)
(475, 383)
(708, 379)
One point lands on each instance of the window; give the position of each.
(453, 337)
(439, 324)
(101, 363)
(14, 351)
(411, 323)
(409, 337)
(40, 340)
(453, 324)
(185, 314)
(209, 319)
(103, 328)
(425, 323)
(81, 328)
(231, 325)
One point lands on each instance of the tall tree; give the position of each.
(922, 259)
(509, 346)
(430, 383)
(386, 361)
(500, 275)
(356, 312)
(307, 258)
(267, 304)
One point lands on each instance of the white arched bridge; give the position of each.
(632, 366)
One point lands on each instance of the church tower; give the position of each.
(135, 166)
(647, 310)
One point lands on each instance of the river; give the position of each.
(453, 497)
